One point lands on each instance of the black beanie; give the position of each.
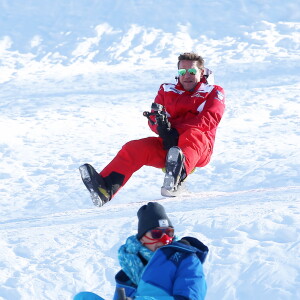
(151, 216)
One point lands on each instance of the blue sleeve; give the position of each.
(190, 280)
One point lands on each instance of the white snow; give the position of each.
(75, 77)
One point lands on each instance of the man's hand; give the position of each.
(163, 125)
(169, 135)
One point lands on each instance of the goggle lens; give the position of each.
(182, 72)
(157, 233)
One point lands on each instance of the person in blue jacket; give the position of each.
(155, 265)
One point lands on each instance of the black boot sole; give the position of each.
(95, 185)
(174, 165)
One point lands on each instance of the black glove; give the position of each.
(168, 134)
(170, 137)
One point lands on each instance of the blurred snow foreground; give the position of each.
(75, 79)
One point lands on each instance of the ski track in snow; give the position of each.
(75, 79)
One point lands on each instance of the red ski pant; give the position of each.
(149, 151)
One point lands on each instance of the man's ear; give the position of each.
(202, 72)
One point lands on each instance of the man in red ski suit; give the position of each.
(193, 108)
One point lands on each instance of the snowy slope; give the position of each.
(75, 78)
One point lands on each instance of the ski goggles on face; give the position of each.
(157, 233)
(182, 72)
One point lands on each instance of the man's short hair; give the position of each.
(193, 57)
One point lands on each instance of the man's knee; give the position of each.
(193, 136)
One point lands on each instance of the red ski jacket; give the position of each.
(202, 108)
